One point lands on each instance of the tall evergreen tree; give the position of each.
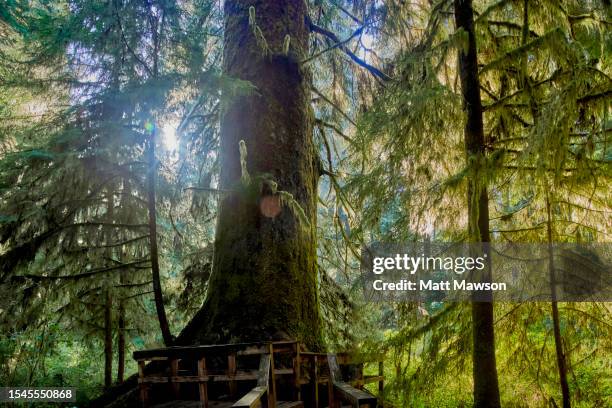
(486, 387)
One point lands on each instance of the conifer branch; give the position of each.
(335, 129)
(336, 107)
(85, 274)
(335, 45)
(373, 70)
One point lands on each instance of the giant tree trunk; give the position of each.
(486, 387)
(264, 282)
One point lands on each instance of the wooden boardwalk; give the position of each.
(274, 374)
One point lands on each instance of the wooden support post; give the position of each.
(143, 386)
(231, 373)
(315, 377)
(330, 393)
(381, 382)
(272, 391)
(334, 375)
(296, 372)
(203, 387)
(174, 373)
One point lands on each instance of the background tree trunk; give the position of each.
(108, 300)
(121, 343)
(486, 387)
(264, 281)
(154, 254)
(561, 363)
(108, 340)
(123, 279)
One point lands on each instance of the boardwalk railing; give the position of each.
(286, 364)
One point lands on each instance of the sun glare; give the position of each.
(169, 136)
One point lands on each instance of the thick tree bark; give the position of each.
(486, 387)
(153, 251)
(264, 282)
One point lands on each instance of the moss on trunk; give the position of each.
(264, 284)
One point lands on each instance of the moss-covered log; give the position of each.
(264, 284)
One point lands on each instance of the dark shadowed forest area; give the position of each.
(188, 189)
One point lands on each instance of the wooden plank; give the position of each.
(264, 370)
(202, 386)
(239, 376)
(250, 351)
(252, 399)
(334, 373)
(290, 404)
(347, 392)
(334, 368)
(315, 382)
(283, 371)
(154, 380)
(356, 397)
(296, 369)
(284, 347)
(330, 393)
(152, 359)
(272, 388)
(195, 352)
(174, 374)
(189, 378)
(231, 373)
(194, 404)
(142, 386)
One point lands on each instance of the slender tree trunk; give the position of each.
(121, 311)
(154, 253)
(486, 387)
(264, 283)
(121, 343)
(108, 300)
(108, 340)
(561, 363)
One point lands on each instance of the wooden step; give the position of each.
(222, 404)
(194, 404)
(289, 404)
